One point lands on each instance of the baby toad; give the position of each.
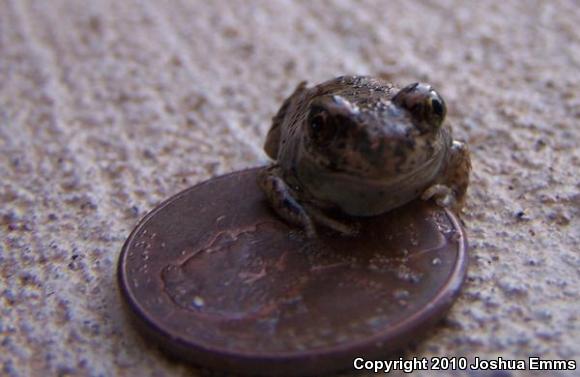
(358, 146)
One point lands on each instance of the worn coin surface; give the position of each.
(214, 277)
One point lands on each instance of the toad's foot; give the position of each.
(320, 217)
(450, 190)
(282, 199)
(442, 194)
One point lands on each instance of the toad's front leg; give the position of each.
(282, 199)
(449, 191)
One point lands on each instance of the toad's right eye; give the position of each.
(322, 127)
(328, 115)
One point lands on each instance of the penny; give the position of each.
(214, 277)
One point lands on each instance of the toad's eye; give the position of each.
(438, 107)
(321, 126)
(425, 105)
(329, 116)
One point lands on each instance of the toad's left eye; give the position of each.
(436, 116)
(438, 107)
(424, 104)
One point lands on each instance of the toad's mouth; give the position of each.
(429, 169)
(358, 166)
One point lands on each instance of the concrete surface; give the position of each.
(108, 107)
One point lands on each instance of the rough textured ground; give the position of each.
(108, 107)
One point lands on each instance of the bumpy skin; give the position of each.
(358, 146)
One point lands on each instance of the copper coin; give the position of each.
(214, 277)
